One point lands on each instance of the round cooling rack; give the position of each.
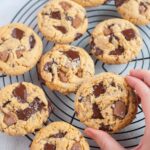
(64, 105)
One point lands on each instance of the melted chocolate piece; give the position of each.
(61, 29)
(72, 54)
(98, 51)
(119, 109)
(113, 84)
(56, 15)
(62, 76)
(78, 35)
(105, 127)
(99, 89)
(6, 103)
(9, 119)
(76, 146)
(35, 106)
(48, 146)
(66, 6)
(4, 56)
(129, 34)
(76, 21)
(59, 135)
(19, 53)
(48, 66)
(79, 73)
(119, 3)
(32, 41)
(96, 112)
(21, 93)
(117, 51)
(17, 33)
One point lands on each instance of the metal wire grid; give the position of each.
(64, 105)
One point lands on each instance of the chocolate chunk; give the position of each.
(56, 15)
(96, 112)
(6, 103)
(32, 41)
(117, 51)
(21, 93)
(9, 119)
(72, 54)
(62, 76)
(66, 6)
(4, 56)
(79, 73)
(69, 18)
(98, 51)
(129, 34)
(113, 84)
(19, 53)
(61, 29)
(143, 7)
(59, 135)
(78, 35)
(48, 146)
(105, 127)
(119, 109)
(76, 146)
(17, 33)
(76, 21)
(112, 36)
(99, 89)
(119, 3)
(48, 66)
(35, 106)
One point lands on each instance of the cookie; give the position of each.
(23, 108)
(106, 102)
(136, 11)
(90, 3)
(65, 67)
(115, 41)
(18, 44)
(62, 21)
(60, 136)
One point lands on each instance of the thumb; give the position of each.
(103, 139)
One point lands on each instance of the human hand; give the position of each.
(139, 80)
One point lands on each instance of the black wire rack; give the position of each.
(64, 105)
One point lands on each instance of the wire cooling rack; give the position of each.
(64, 105)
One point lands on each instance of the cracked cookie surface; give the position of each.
(62, 21)
(115, 41)
(23, 108)
(59, 136)
(90, 3)
(136, 11)
(65, 67)
(18, 44)
(106, 102)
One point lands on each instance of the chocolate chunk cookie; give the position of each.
(65, 67)
(62, 21)
(115, 41)
(59, 136)
(18, 44)
(136, 11)
(90, 3)
(106, 102)
(23, 108)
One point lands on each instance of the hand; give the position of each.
(139, 80)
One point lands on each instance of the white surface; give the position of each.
(130, 135)
(8, 9)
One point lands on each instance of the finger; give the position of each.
(143, 92)
(104, 140)
(141, 74)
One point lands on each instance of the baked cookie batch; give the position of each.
(103, 101)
